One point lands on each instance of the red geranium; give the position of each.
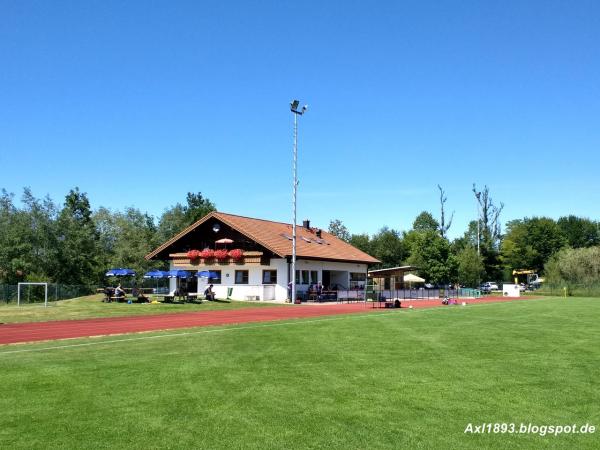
(236, 253)
(221, 254)
(193, 254)
(207, 253)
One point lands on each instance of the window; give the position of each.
(241, 277)
(386, 283)
(304, 277)
(314, 276)
(216, 279)
(357, 280)
(298, 280)
(269, 277)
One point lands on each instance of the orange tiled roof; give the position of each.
(274, 236)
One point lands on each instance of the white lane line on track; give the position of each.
(298, 321)
(188, 333)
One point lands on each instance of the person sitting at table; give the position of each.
(137, 293)
(208, 293)
(119, 292)
(108, 293)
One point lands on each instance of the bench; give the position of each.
(191, 296)
(387, 303)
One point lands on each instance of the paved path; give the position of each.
(65, 329)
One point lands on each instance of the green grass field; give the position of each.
(397, 379)
(92, 306)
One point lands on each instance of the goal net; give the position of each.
(28, 293)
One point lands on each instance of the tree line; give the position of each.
(484, 251)
(69, 243)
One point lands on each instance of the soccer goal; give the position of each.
(29, 292)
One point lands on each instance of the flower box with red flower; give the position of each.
(236, 254)
(193, 255)
(221, 255)
(207, 253)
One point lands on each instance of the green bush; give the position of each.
(577, 270)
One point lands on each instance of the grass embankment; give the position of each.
(92, 306)
(391, 379)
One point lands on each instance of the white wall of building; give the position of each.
(274, 292)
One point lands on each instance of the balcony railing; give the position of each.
(181, 261)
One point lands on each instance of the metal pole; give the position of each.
(478, 233)
(295, 170)
(478, 227)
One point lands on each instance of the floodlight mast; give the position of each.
(294, 108)
(478, 196)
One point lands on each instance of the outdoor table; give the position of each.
(194, 296)
(166, 297)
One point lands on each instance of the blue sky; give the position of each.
(138, 103)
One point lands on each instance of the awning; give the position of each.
(411, 278)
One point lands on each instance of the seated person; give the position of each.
(108, 293)
(119, 292)
(137, 293)
(208, 293)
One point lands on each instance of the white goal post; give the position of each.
(35, 284)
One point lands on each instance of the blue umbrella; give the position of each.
(206, 274)
(156, 274)
(178, 274)
(120, 273)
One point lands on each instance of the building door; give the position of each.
(188, 284)
(326, 279)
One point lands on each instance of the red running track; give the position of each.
(66, 329)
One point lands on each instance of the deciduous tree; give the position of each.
(337, 228)
(580, 232)
(530, 242)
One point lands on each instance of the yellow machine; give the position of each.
(532, 276)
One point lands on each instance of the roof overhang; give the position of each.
(319, 258)
(211, 215)
(248, 230)
(391, 271)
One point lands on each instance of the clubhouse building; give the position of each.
(251, 259)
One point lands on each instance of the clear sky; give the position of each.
(138, 103)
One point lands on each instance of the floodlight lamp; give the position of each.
(304, 108)
(294, 105)
(216, 227)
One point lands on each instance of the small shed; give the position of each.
(390, 279)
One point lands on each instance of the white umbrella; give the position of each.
(411, 278)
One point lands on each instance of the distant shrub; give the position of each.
(578, 270)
